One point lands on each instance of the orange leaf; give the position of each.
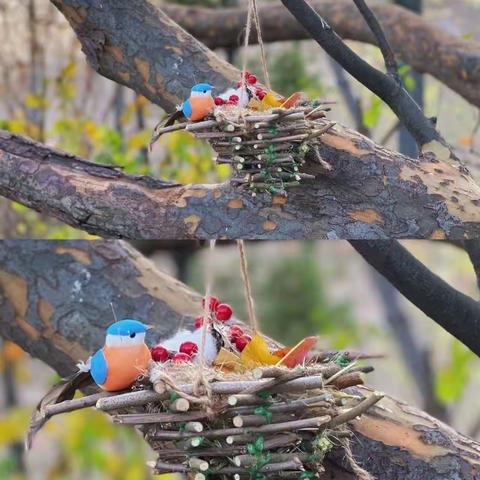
(298, 353)
(257, 353)
(282, 352)
(292, 100)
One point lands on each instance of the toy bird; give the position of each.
(196, 107)
(114, 367)
(123, 359)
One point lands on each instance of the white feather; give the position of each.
(242, 94)
(181, 336)
(85, 366)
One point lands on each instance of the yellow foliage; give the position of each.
(36, 101)
(13, 426)
(257, 353)
(12, 352)
(140, 139)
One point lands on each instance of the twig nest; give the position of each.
(248, 425)
(266, 149)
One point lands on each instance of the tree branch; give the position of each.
(55, 304)
(385, 48)
(472, 247)
(419, 43)
(456, 312)
(384, 86)
(370, 193)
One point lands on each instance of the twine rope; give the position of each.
(359, 472)
(246, 284)
(201, 381)
(252, 14)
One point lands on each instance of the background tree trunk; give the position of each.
(55, 303)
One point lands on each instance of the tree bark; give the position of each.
(370, 193)
(55, 303)
(421, 44)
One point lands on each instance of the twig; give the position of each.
(356, 411)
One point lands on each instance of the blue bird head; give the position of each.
(200, 88)
(127, 328)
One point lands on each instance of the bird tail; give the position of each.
(170, 120)
(64, 390)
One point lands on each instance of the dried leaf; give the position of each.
(227, 360)
(257, 353)
(292, 100)
(270, 100)
(297, 354)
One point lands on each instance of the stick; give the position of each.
(315, 422)
(354, 412)
(146, 418)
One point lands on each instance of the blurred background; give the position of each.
(301, 288)
(48, 92)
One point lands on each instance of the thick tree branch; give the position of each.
(54, 302)
(456, 312)
(419, 43)
(384, 86)
(370, 193)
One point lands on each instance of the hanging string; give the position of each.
(207, 314)
(246, 283)
(253, 13)
(256, 18)
(248, 30)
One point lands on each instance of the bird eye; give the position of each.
(132, 335)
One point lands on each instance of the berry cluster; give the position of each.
(220, 312)
(250, 81)
(185, 353)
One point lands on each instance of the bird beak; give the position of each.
(149, 327)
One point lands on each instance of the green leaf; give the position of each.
(451, 380)
(371, 115)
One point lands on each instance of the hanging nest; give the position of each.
(266, 149)
(265, 422)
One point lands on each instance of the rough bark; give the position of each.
(55, 303)
(423, 45)
(370, 193)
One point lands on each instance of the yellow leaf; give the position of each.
(140, 139)
(257, 353)
(228, 360)
(270, 100)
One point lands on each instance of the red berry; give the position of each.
(159, 353)
(234, 333)
(223, 312)
(242, 342)
(260, 93)
(213, 303)
(181, 357)
(252, 79)
(246, 74)
(190, 348)
(198, 322)
(234, 98)
(239, 84)
(219, 101)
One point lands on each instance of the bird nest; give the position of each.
(267, 422)
(266, 149)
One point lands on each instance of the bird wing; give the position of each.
(187, 108)
(99, 368)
